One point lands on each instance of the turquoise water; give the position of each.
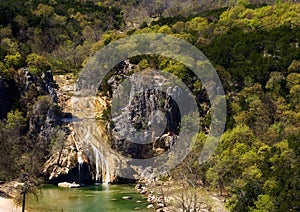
(106, 198)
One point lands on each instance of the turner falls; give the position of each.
(90, 138)
(106, 149)
(88, 141)
(85, 152)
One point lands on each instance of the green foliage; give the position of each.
(5, 73)
(15, 61)
(143, 64)
(264, 203)
(37, 64)
(293, 79)
(275, 83)
(294, 67)
(9, 150)
(174, 67)
(295, 95)
(244, 55)
(256, 54)
(164, 29)
(16, 121)
(43, 28)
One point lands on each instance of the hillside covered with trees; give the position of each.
(254, 48)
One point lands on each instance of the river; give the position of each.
(102, 198)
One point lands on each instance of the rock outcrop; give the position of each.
(103, 128)
(67, 163)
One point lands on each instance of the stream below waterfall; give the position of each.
(102, 198)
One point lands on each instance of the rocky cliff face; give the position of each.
(44, 112)
(152, 112)
(34, 95)
(43, 84)
(23, 88)
(67, 162)
(30, 120)
(102, 129)
(96, 148)
(142, 123)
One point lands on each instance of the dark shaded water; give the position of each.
(106, 198)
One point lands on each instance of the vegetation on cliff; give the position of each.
(255, 51)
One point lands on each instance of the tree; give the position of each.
(189, 199)
(197, 25)
(295, 96)
(294, 67)
(16, 121)
(37, 64)
(264, 203)
(44, 11)
(293, 79)
(15, 61)
(9, 153)
(276, 83)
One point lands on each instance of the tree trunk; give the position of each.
(23, 201)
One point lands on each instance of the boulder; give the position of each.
(150, 206)
(126, 197)
(68, 185)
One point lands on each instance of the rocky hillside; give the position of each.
(30, 117)
(100, 138)
(254, 49)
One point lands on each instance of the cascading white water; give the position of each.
(106, 180)
(97, 161)
(79, 157)
(80, 163)
(104, 166)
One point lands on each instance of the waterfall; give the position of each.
(79, 156)
(107, 177)
(80, 163)
(97, 161)
(104, 166)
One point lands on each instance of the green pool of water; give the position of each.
(106, 198)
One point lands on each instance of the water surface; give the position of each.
(102, 198)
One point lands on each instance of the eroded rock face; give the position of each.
(104, 133)
(45, 115)
(24, 86)
(68, 163)
(143, 117)
(44, 84)
(136, 112)
(64, 166)
(106, 146)
(50, 85)
(144, 120)
(127, 125)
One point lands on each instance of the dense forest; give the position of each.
(255, 50)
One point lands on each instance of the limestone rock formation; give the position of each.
(67, 163)
(102, 128)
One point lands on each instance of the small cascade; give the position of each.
(105, 166)
(97, 161)
(80, 163)
(99, 158)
